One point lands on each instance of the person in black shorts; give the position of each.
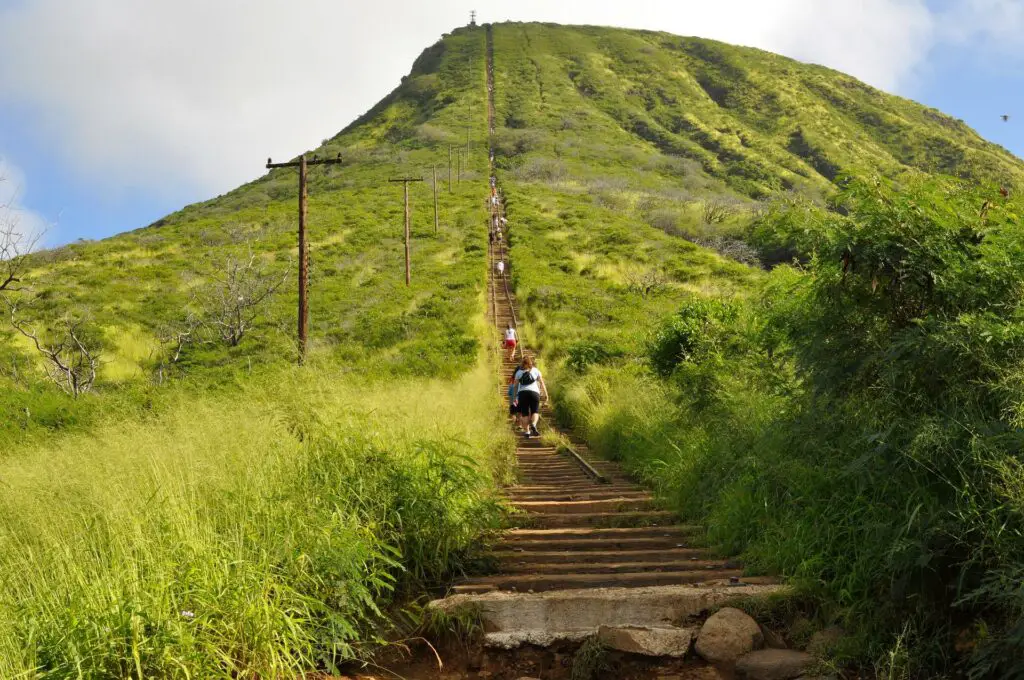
(529, 388)
(513, 408)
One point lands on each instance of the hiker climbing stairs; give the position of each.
(589, 552)
(581, 522)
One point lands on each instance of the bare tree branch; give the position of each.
(183, 335)
(717, 210)
(646, 282)
(15, 246)
(240, 291)
(177, 337)
(71, 363)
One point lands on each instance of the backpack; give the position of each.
(527, 378)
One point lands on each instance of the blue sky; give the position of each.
(114, 113)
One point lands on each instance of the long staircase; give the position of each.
(581, 522)
(588, 551)
(587, 547)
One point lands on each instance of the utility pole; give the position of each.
(302, 164)
(405, 183)
(469, 114)
(435, 199)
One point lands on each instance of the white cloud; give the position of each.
(880, 41)
(994, 25)
(192, 95)
(27, 226)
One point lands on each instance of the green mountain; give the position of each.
(633, 127)
(606, 120)
(755, 120)
(647, 179)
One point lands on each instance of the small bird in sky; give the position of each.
(1005, 117)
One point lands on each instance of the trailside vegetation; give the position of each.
(856, 425)
(259, 536)
(825, 366)
(191, 504)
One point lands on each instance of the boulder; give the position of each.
(705, 673)
(727, 635)
(649, 641)
(772, 639)
(825, 641)
(773, 664)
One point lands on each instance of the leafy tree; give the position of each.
(908, 331)
(693, 335)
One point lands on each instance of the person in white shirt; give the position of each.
(501, 267)
(529, 387)
(510, 342)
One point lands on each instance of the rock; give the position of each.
(773, 664)
(772, 639)
(824, 641)
(704, 673)
(649, 641)
(727, 635)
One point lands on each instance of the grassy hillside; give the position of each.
(617, 160)
(754, 120)
(228, 514)
(137, 290)
(217, 512)
(264, 534)
(848, 422)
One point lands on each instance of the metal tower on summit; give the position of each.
(472, 17)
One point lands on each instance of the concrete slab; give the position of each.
(653, 641)
(537, 616)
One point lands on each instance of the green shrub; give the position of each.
(908, 332)
(694, 335)
(857, 427)
(585, 353)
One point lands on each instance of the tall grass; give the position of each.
(254, 538)
(857, 429)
